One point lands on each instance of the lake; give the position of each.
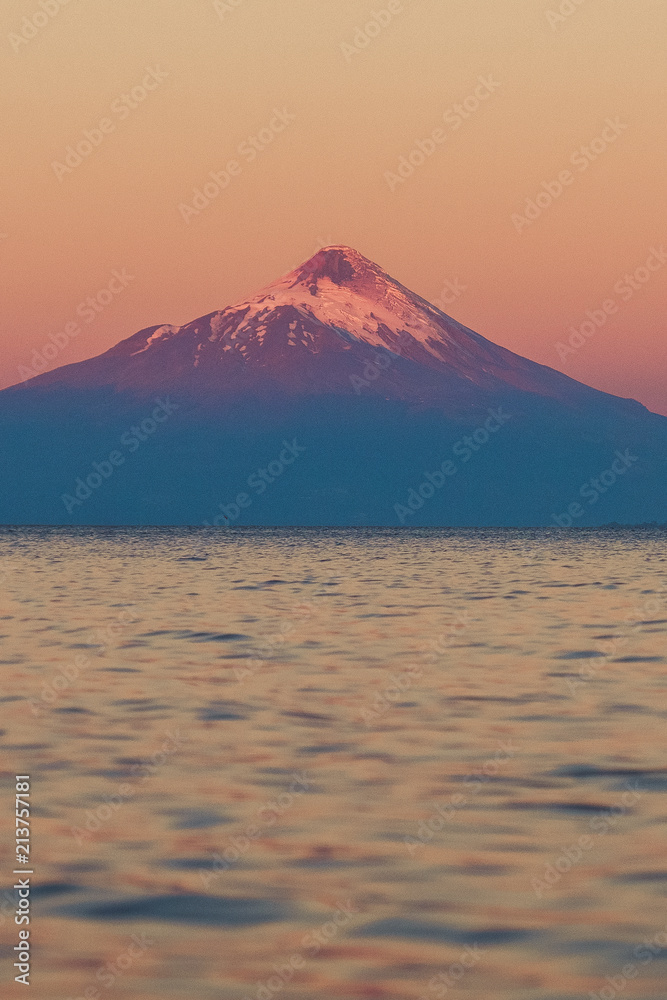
(338, 763)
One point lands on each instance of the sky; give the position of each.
(504, 159)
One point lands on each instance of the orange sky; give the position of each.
(220, 72)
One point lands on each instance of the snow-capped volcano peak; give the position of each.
(345, 269)
(341, 289)
(381, 389)
(339, 264)
(355, 301)
(341, 267)
(317, 329)
(339, 273)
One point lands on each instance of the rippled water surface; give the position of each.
(338, 764)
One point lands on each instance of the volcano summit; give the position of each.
(382, 391)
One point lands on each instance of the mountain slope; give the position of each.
(378, 387)
(314, 330)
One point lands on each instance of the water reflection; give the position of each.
(460, 736)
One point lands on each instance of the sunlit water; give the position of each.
(382, 757)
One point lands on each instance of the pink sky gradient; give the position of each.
(341, 109)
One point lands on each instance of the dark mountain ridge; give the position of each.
(401, 416)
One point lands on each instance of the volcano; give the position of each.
(334, 396)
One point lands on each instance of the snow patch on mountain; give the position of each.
(358, 298)
(315, 330)
(162, 333)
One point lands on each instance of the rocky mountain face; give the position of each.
(379, 409)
